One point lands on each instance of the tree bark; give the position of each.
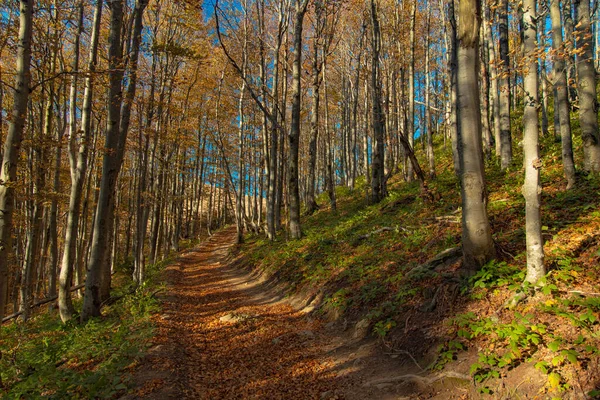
(505, 88)
(586, 88)
(411, 88)
(378, 189)
(532, 188)
(478, 247)
(12, 145)
(561, 100)
(78, 164)
(294, 135)
(116, 133)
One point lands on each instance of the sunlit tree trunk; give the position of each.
(561, 98)
(428, 124)
(12, 145)
(78, 164)
(532, 188)
(493, 76)
(478, 247)
(98, 276)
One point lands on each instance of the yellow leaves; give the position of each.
(554, 380)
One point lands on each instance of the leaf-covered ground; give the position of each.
(226, 334)
(218, 338)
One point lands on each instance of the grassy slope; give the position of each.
(554, 330)
(47, 359)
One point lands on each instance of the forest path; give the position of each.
(224, 335)
(218, 337)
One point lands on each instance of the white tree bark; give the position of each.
(532, 189)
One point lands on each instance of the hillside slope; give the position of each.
(371, 264)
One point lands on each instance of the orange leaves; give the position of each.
(223, 340)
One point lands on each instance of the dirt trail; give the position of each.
(221, 336)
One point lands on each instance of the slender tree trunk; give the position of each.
(532, 188)
(478, 247)
(453, 77)
(378, 190)
(311, 204)
(561, 99)
(586, 88)
(505, 88)
(493, 68)
(567, 13)
(430, 155)
(411, 88)
(294, 136)
(78, 164)
(98, 276)
(12, 145)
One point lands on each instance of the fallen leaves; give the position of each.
(220, 342)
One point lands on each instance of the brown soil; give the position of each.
(223, 334)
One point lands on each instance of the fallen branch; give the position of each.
(580, 293)
(40, 303)
(453, 219)
(375, 232)
(446, 257)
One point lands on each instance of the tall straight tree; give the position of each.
(411, 88)
(12, 145)
(478, 246)
(116, 134)
(504, 89)
(294, 135)
(78, 166)
(586, 87)
(378, 190)
(532, 189)
(561, 101)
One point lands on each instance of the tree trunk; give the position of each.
(478, 247)
(505, 89)
(294, 136)
(12, 145)
(378, 190)
(78, 164)
(493, 76)
(116, 134)
(586, 88)
(561, 99)
(532, 188)
(411, 88)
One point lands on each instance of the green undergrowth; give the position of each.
(45, 358)
(365, 271)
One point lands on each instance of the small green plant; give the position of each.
(382, 328)
(448, 352)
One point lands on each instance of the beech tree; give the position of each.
(504, 91)
(532, 189)
(561, 102)
(477, 243)
(119, 108)
(12, 145)
(586, 88)
(294, 135)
